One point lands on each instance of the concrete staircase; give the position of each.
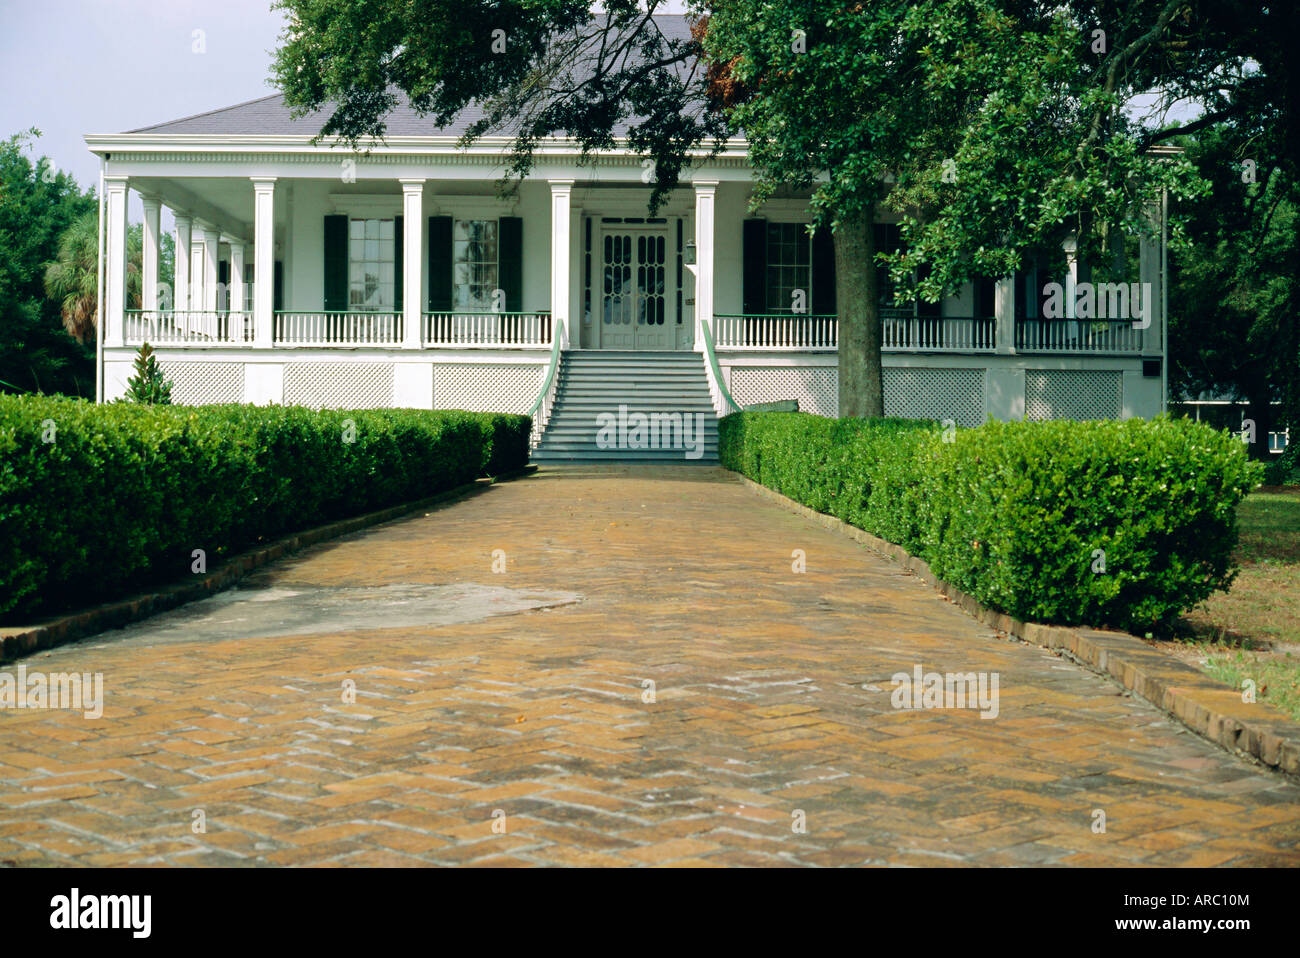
(624, 407)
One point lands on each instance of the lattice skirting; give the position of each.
(1073, 394)
(815, 387)
(486, 387)
(956, 394)
(339, 385)
(201, 384)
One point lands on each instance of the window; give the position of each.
(788, 267)
(248, 287)
(371, 265)
(475, 266)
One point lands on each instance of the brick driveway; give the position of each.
(522, 708)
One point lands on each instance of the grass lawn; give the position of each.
(1253, 630)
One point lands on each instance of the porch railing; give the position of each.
(900, 333)
(789, 331)
(188, 327)
(1078, 336)
(299, 328)
(488, 329)
(931, 334)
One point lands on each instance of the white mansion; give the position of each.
(400, 277)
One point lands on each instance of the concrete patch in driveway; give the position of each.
(274, 611)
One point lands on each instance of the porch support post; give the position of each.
(236, 291)
(561, 228)
(1004, 308)
(184, 237)
(413, 230)
(211, 253)
(115, 192)
(149, 252)
(705, 195)
(263, 260)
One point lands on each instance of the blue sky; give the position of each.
(72, 67)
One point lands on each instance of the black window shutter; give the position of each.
(336, 264)
(223, 285)
(510, 269)
(397, 265)
(985, 298)
(929, 310)
(823, 272)
(277, 293)
(439, 264)
(754, 269)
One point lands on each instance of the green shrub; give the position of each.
(1107, 523)
(1284, 470)
(98, 501)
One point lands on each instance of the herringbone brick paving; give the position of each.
(772, 699)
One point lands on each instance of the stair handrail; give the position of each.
(723, 404)
(540, 411)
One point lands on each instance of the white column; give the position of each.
(1004, 308)
(412, 262)
(115, 193)
(181, 286)
(561, 227)
(149, 253)
(705, 195)
(1147, 312)
(263, 260)
(236, 291)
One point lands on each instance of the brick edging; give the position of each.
(1211, 710)
(112, 615)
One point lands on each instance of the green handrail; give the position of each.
(713, 364)
(556, 337)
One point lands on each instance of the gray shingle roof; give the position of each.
(271, 116)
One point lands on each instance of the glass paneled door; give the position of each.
(636, 311)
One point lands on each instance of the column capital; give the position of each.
(264, 183)
(182, 218)
(151, 200)
(411, 185)
(560, 186)
(705, 186)
(116, 181)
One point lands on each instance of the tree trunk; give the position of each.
(861, 389)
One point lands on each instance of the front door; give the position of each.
(635, 308)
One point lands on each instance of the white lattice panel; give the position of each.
(935, 393)
(201, 384)
(486, 387)
(1073, 394)
(339, 385)
(816, 387)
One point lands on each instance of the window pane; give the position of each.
(386, 229)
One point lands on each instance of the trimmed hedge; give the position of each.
(1013, 512)
(124, 493)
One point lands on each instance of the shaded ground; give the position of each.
(771, 709)
(1253, 631)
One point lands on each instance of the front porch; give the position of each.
(406, 283)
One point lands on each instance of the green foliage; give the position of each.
(99, 501)
(37, 203)
(1284, 470)
(1014, 513)
(531, 68)
(149, 385)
